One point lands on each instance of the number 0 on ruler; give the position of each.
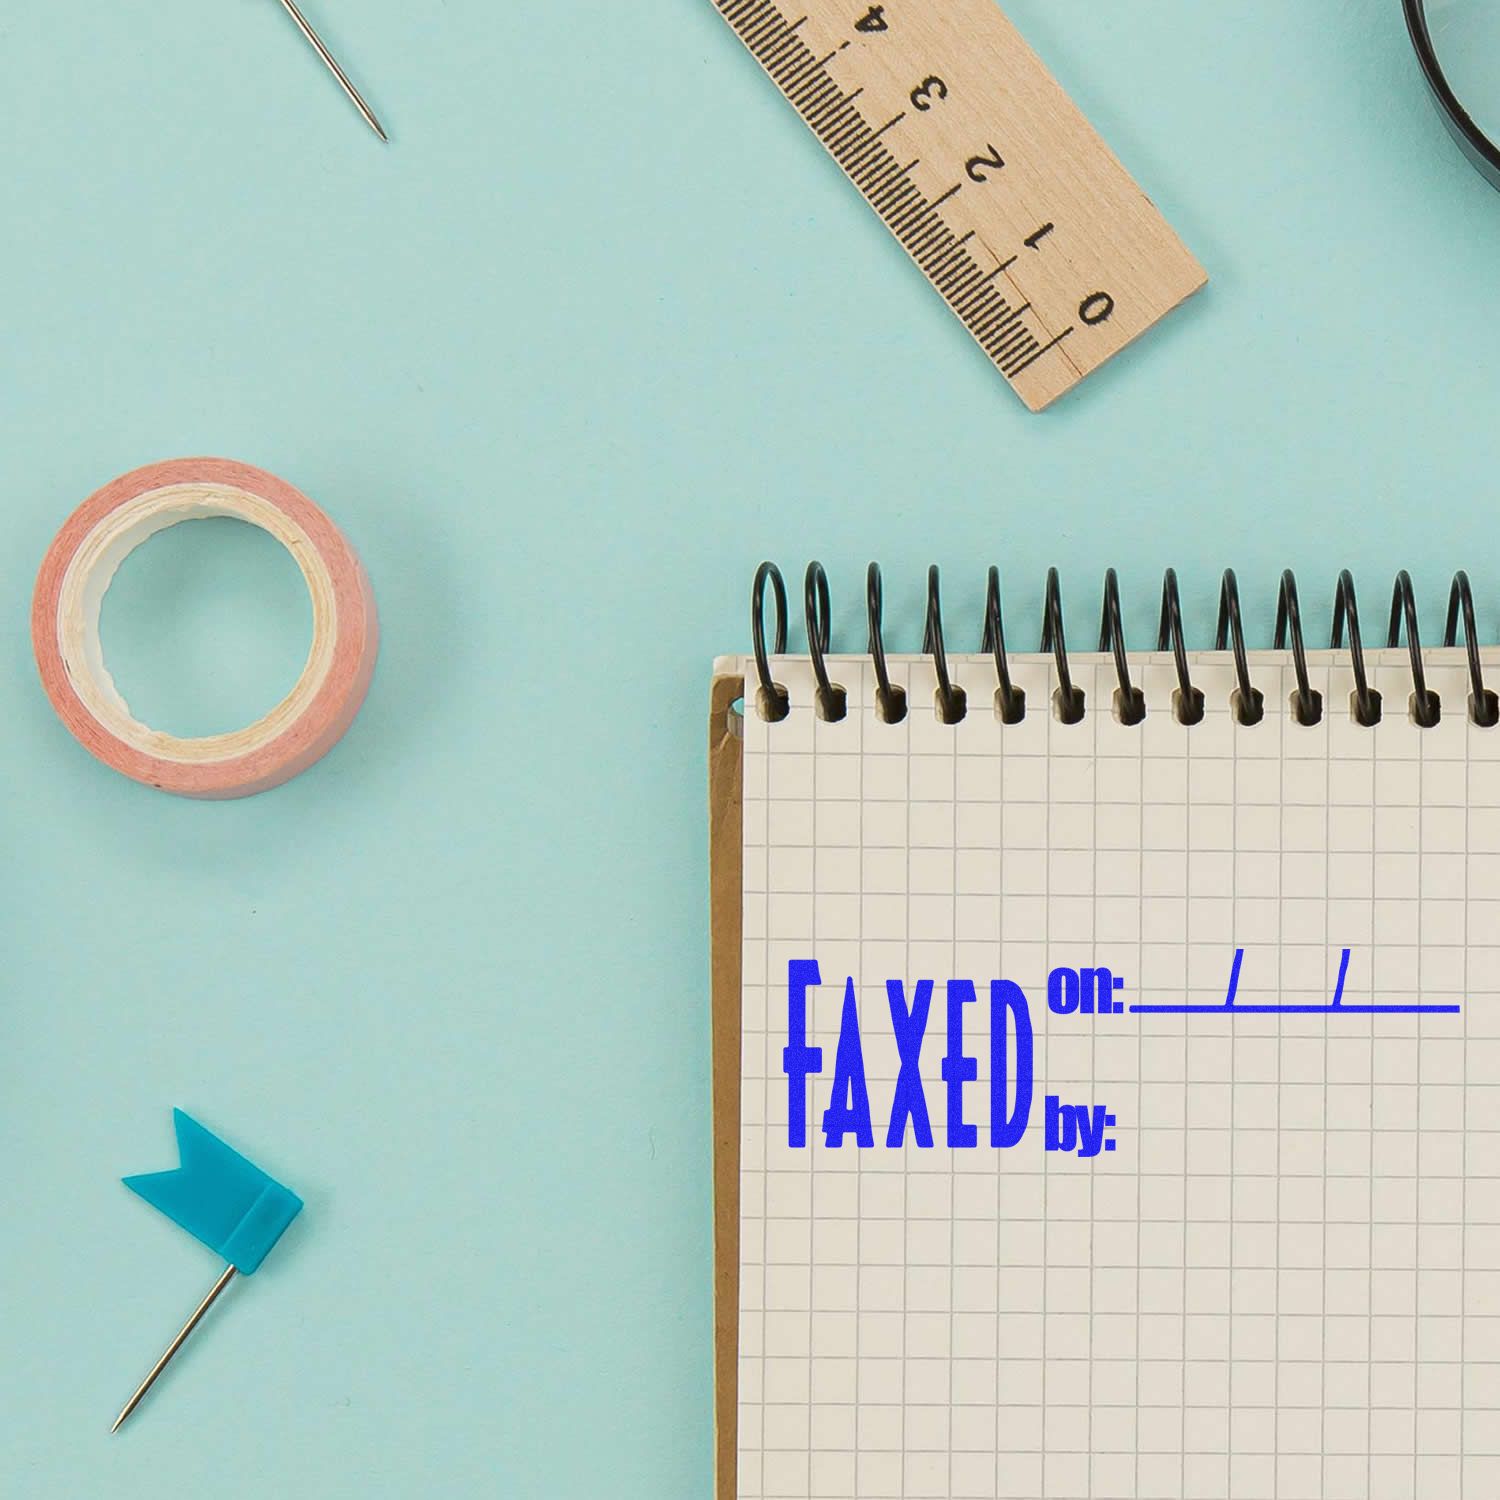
(1021, 217)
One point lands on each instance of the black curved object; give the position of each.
(833, 701)
(774, 702)
(1484, 706)
(1169, 633)
(1426, 706)
(1367, 708)
(1189, 704)
(1010, 701)
(889, 699)
(1250, 704)
(1472, 141)
(952, 701)
(1070, 701)
(1307, 702)
(1132, 702)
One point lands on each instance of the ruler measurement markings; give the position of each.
(839, 115)
(942, 267)
(1040, 351)
(961, 281)
(933, 246)
(767, 28)
(961, 264)
(820, 109)
(995, 327)
(937, 246)
(1010, 343)
(896, 195)
(906, 216)
(975, 294)
(843, 145)
(935, 236)
(901, 204)
(958, 69)
(980, 288)
(882, 169)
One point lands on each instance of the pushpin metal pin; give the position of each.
(332, 64)
(230, 1273)
(226, 1202)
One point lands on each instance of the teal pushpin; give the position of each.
(223, 1200)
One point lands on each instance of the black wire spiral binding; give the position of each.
(1367, 709)
(1484, 706)
(774, 703)
(889, 699)
(1010, 701)
(952, 701)
(1187, 700)
(1426, 709)
(1307, 702)
(833, 701)
(1068, 698)
(1188, 703)
(1130, 702)
(1249, 703)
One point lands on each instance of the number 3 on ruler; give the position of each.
(925, 92)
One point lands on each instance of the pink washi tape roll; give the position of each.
(77, 570)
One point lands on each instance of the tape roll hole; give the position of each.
(206, 626)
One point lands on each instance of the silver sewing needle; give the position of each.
(174, 1346)
(333, 67)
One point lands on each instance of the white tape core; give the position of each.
(93, 568)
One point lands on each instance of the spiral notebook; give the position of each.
(1107, 1108)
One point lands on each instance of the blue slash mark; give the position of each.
(1336, 1006)
(1338, 992)
(1234, 976)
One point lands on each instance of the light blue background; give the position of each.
(600, 329)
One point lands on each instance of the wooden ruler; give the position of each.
(940, 114)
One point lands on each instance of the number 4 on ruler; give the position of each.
(998, 188)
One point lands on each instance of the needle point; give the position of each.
(331, 63)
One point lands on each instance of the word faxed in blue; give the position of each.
(1080, 1129)
(1072, 1128)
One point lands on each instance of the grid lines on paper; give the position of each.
(1266, 1289)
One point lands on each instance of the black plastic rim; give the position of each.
(1231, 631)
(1474, 143)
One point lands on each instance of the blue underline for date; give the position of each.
(1335, 1007)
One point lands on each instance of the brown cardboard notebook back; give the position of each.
(725, 813)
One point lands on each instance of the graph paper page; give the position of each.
(1246, 1242)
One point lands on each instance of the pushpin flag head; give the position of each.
(219, 1198)
(223, 1200)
